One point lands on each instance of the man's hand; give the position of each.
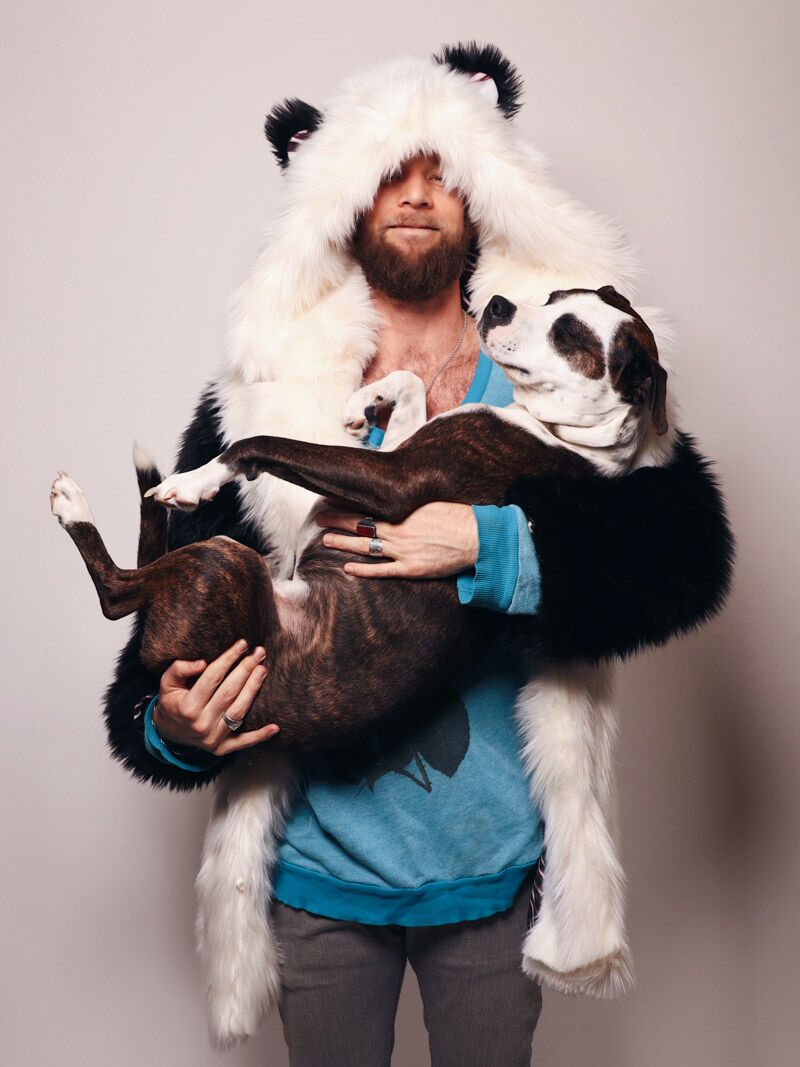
(435, 541)
(193, 716)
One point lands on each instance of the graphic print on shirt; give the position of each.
(437, 736)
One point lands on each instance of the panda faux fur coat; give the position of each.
(625, 562)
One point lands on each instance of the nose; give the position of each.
(498, 312)
(414, 191)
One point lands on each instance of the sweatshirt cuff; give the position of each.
(506, 573)
(157, 747)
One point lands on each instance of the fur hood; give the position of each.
(304, 322)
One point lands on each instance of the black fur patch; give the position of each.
(562, 294)
(579, 345)
(284, 121)
(470, 57)
(607, 293)
(631, 561)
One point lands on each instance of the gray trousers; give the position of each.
(341, 983)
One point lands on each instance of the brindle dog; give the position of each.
(346, 652)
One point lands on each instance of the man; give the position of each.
(412, 246)
(423, 843)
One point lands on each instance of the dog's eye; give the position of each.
(378, 397)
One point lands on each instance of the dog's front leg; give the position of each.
(389, 484)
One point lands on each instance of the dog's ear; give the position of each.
(636, 373)
(485, 65)
(289, 124)
(610, 295)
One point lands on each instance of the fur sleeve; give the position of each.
(131, 682)
(628, 562)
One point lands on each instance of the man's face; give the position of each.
(413, 242)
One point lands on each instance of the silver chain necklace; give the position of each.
(447, 358)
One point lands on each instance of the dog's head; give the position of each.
(580, 358)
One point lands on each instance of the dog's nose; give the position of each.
(498, 312)
(371, 413)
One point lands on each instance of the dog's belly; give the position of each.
(354, 651)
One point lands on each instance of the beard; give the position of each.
(410, 275)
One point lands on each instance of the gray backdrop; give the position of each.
(135, 182)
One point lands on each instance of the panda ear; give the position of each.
(289, 124)
(488, 67)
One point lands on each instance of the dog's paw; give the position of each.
(67, 501)
(363, 409)
(356, 420)
(186, 491)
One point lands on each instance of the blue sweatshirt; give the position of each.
(429, 820)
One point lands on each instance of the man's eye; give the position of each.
(438, 177)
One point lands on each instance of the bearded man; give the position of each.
(421, 843)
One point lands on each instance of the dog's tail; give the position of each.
(153, 517)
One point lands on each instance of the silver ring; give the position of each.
(232, 724)
(366, 527)
(376, 547)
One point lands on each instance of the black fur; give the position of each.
(284, 121)
(628, 562)
(470, 57)
(201, 442)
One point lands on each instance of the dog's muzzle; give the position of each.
(498, 312)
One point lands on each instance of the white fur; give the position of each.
(234, 930)
(185, 491)
(567, 721)
(142, 460)
(303, 329)
(67, 501)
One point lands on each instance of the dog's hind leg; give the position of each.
(153, 519)
(120, 591)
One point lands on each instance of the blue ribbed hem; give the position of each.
(491, 583)
(528, 590)
(156, 746)
(433, 904)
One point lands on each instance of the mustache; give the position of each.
(410, 220)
